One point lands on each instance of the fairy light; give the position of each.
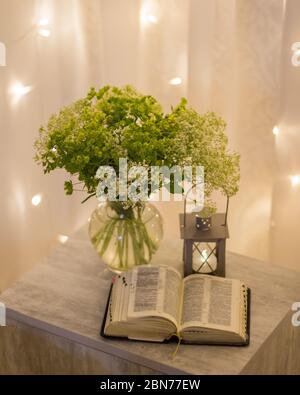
(295, 180)
(43, 27)
(148, 19)
(149, 13)
(151, 18)
(62, 239)
(18, 90)
(175, 81)
(2, 55)
(296, 54)
(276, 130)
(43, 22)
(36, 199)
(44, 32)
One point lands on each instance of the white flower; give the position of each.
(139, 122)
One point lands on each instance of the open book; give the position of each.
(154, 303)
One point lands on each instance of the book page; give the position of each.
(118, 305)
(211, 302)
(220, 302)
(194, 306)
(172, 293)
(155, 291)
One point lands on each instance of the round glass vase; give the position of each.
(123, 236)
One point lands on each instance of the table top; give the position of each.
(66, 295)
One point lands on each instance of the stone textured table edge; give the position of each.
(105, 347)
(282, 289)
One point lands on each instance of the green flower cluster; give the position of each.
(201, 140)
(113, 123)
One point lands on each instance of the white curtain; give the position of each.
(228, 57)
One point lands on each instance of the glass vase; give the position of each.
(125, 236)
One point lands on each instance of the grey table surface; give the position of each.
(66, 295)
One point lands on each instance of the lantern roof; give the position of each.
(218, 230)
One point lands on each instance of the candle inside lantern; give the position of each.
(205, 260)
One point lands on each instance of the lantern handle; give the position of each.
(185, 197)
(226, 212)
(184, 206)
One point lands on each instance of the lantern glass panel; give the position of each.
(204, 257)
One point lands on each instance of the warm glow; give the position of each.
(151, 18)
(43, 22)
(19, 90)
(175, 81)
(63, 238)
(44, 32)
(148, 18)
(296, 54)
(36, 199)
(276, 130)
(204, 256)
(295, 180)
(2, 54)
(43, 25)
(148, 13)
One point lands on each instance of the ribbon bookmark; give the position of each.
(178, 344)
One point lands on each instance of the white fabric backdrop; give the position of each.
(228, 54)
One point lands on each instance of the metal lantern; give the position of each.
(204, 242)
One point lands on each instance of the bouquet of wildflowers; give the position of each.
(113, 123)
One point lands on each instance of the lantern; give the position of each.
(204, 243)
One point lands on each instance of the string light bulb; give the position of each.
(44, 32)
(151, 18)
(2, 54)
(36, 199)
(148, 14)
(43, 27)
(147, 18)
(18, 90)
(295, 180)
(43, 22)
(276, 130)
(175, 81)
(63, 239)
(296, 54)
